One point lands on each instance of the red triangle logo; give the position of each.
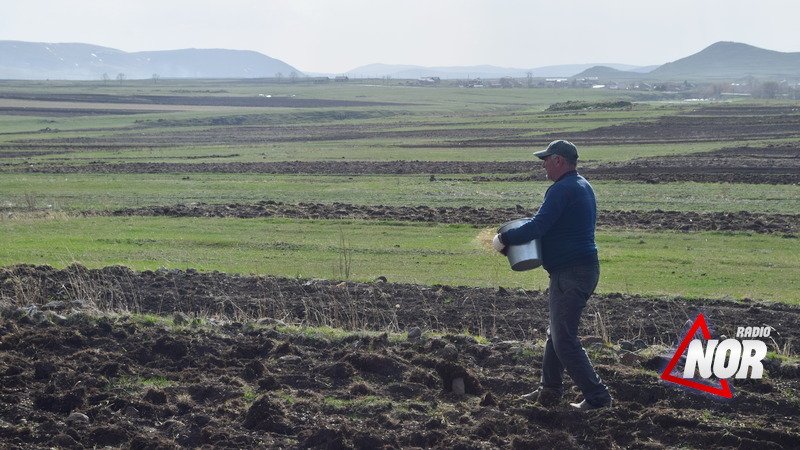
(723, 390)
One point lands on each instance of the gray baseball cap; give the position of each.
(565, 149)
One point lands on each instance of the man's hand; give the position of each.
(497, 244)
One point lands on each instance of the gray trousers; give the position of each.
(570, 288)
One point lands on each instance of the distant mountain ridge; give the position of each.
(721, 60)
(70, 61)
(74, 61)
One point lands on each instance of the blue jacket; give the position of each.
(564, 224)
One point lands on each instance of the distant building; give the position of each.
(428, 80)
(341, 78)
(552, 82)
(476, 83)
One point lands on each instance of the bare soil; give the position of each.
(774, 164)
(695, 128)
(709, 124)
(67, 112)
(788, 224)
(75, 378)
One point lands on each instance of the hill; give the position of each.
(722, 60)
(609, 73)
(482, 71)
(73, 61)
(731, 60)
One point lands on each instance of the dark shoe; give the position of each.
(544, 397)
(586, 406)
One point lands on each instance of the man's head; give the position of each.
(558, 158)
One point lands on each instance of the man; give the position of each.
(565, 226)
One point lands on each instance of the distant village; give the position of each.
(746, 87)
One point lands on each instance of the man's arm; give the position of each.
(555, 201)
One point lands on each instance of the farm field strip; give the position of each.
(44, 153)
(701, 264)
(772, 164)
(787, 224)
(391, 92)
(82, 192)
(10, 106)
(754, 171)
(244, 130)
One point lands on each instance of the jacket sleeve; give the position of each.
(555, 202)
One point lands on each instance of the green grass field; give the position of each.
(359, 150)
(649, 263)
(76, 192)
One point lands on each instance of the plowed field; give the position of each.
(74, 377)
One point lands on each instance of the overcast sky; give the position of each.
(339, 35)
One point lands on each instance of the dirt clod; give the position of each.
(265, 414)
